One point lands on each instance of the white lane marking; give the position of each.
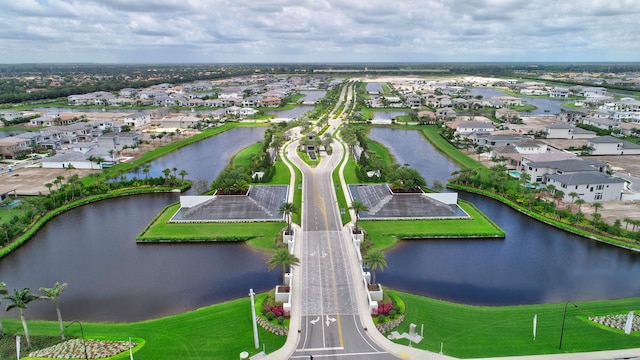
(313, 322)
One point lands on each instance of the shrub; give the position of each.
(381, 319)
(392, 314)
(280, 320)
(270, 316)
(384, 308)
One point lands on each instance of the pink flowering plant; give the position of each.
(75, 349)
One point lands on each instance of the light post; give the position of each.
(564, 316)
(84, 344)
(253, 320)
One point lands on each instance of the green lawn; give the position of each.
(242, 157)
(385, 234)
(340, 193)
(431, 133)
(220, 331)
(160, 231)
(473, 331)
(381, 151)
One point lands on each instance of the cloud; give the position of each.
(334, 30)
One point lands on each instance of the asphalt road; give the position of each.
(331, 327)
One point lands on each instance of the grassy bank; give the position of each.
(260, 233)
(385, 234)
(219, 331)
(477, 331)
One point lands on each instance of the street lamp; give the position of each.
(564, 316)
(253, 320)
(86, 356)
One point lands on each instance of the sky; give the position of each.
(318, 31)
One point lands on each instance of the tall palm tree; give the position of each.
(182, 174)
(580, 202)
(19, 300)
(146, 169)
(357, 206)
(284, 258)
(287, 209)
(596, 216)
(53, 294)
(3, 292)
(573, 195)
(374, 260)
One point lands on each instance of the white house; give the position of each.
(566, 131)
(469, 127)
(609, 145)
(137, 119)
(590, 186)
(538, 169)
(559, 92)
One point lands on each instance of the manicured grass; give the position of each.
(381, 151)
(431, 133)
(350, 171)
(160, 231)
(385, 234)
(220, 331)
(340, 192)
(305, 157)
(472, 331)
(242, 157)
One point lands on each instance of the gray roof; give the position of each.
(585, 178)
(560, 126)
(569, 165)
(605, 140)
(63, 156)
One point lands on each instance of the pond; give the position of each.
(7, 133)
(545, 106)
(388, 115)
(111, 278)
(312, 96)
(291, 113)
(535, 263)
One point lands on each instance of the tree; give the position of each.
(146, 169)
(287, 209)
(3, 292)
(166, 173)
(374, 260)
(357, 206)
(20, 299)
(284, 258)
(53, 294)
(596, 216)
(182, 174)
(580, 202)
(573, 195)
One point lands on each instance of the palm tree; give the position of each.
(53, 294)
(580, 202)
(596, 216)
(3, 292)
(573, 195)
(146, 169)
(357, 206)
(287, 209)
(166, 173)
(374, 260)
(284, 258)
(20, 299)
(182, 174)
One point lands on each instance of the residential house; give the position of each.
(12, 146)
(137, 119)
(10, 114)
(468, 127)
(593, 91)
(427, 116)
(446, 113)
(414, 102)
(559, 93)
(117, 141)
(609, 145)
(572, 115)
(271, 101)
(538, 169)
(498, 140)
(252, 101)
(566, 131)
(71, 134)
(507, 115)
(600, 123)
(590, 186)
(530, 146)
(180, 121)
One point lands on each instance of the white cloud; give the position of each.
(320, 30)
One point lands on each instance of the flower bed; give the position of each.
(616, 321)
(75, 349)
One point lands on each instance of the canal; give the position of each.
(535, 263)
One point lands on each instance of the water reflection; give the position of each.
(111, 278)
(535, 263)
(545, 106)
